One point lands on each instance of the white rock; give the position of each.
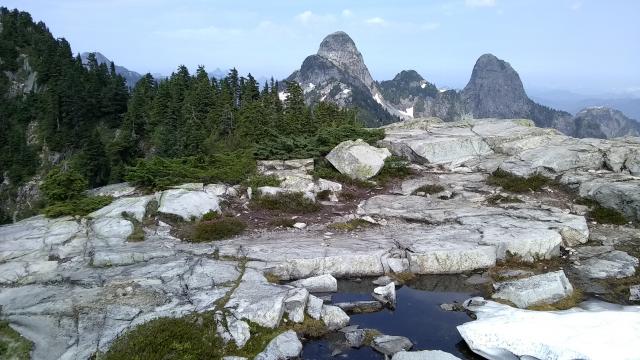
(295, 304)
(424, 355)
(386, 294)
(188, 204)
(300, 225)
(314, 307)
(357, 159)
(321, 283)
(114, 190)
(239, 331)
(284, 346)
(599, 331)
(334, 317)
(535, 290)
(634, 293)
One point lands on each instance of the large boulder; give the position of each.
(334, 317)
(320, 283)
(389, 345)
(357, 159)
(593, 331)
(535, 290)
(282, 347)
(187, 204)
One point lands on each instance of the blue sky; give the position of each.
(588, 46)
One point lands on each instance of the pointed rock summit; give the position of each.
(495, 90)
(340, 50)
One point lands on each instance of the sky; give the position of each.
(584, 46)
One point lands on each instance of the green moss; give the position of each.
(12, 345)
(218, 229)
(604, 215)
(501, 199)
(567, 303)
(289, 202)
(518, 184)
(369, 335)
(80, 206)
(258, 180)
(429, 189)
(351, 225)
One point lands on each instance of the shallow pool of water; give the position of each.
(417, 316)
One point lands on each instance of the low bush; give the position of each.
(282, 222)
(217, 229)
(288, 202)
(518, 184)
(394, 168)
(258, 180)
(604, 215)
(351, 225)
(428, 189)
(210, 215)
(159, 173)
(80, 206)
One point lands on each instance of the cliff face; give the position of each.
(602, 122)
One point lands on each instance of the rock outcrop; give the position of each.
(593, 331)
(602, 122)
(535, 290)
(357, 159)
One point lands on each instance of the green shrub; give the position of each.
(518, 184)
(394, 168)
(137, 234)
(62, 185)
(160, 173)
(80, 206)
(218, 229)
(210, 215)
(258, 180)
(428, 189)
(289, 202)
(12, 344)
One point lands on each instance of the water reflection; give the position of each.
(417, 316)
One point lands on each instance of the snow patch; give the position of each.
(378, 99)
(423, 85)
(310, 87)
(442, 90)
(346, 91)
(408, 112)
(282, 95)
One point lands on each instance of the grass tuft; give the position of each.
(218, 229)
(604, 215)
(429, 189)
(501, 199)
(351, 225)
(13, 345)
(290, 202)
(518, 184)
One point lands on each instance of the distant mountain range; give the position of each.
(573, 103)
(337, 73)
(130, 76)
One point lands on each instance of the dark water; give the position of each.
(417, 316)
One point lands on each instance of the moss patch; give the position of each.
(501, 199)
(518, 184)
(291, 202)
(217, 229)
(394, 168)
(282, 222)
(351, 225)
(567, 303)
(258, 180)
(13, 346)
(604, 215)
(138, 232)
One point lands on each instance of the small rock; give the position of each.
(284, 346)
(424, 355)
(295, 303)
(389, 345)
(360, 307)
(369, 219)
(334, 317)
(535, 290)
(451, 307)
(300, 225)
(239, 331)
(353, 335)
(386, 294)
(321, 283)
(634, 293)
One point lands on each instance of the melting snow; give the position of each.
(378, 99)
(423, 85)
(408, 112)
(282, 95)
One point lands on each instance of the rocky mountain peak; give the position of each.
(340, 50)
(495, 90)
(604, 122)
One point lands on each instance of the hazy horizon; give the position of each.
(577, 46)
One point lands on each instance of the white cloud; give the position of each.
(576, 5)
(347, 13)
(480, 3)
(308, 17)
(377, 21)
